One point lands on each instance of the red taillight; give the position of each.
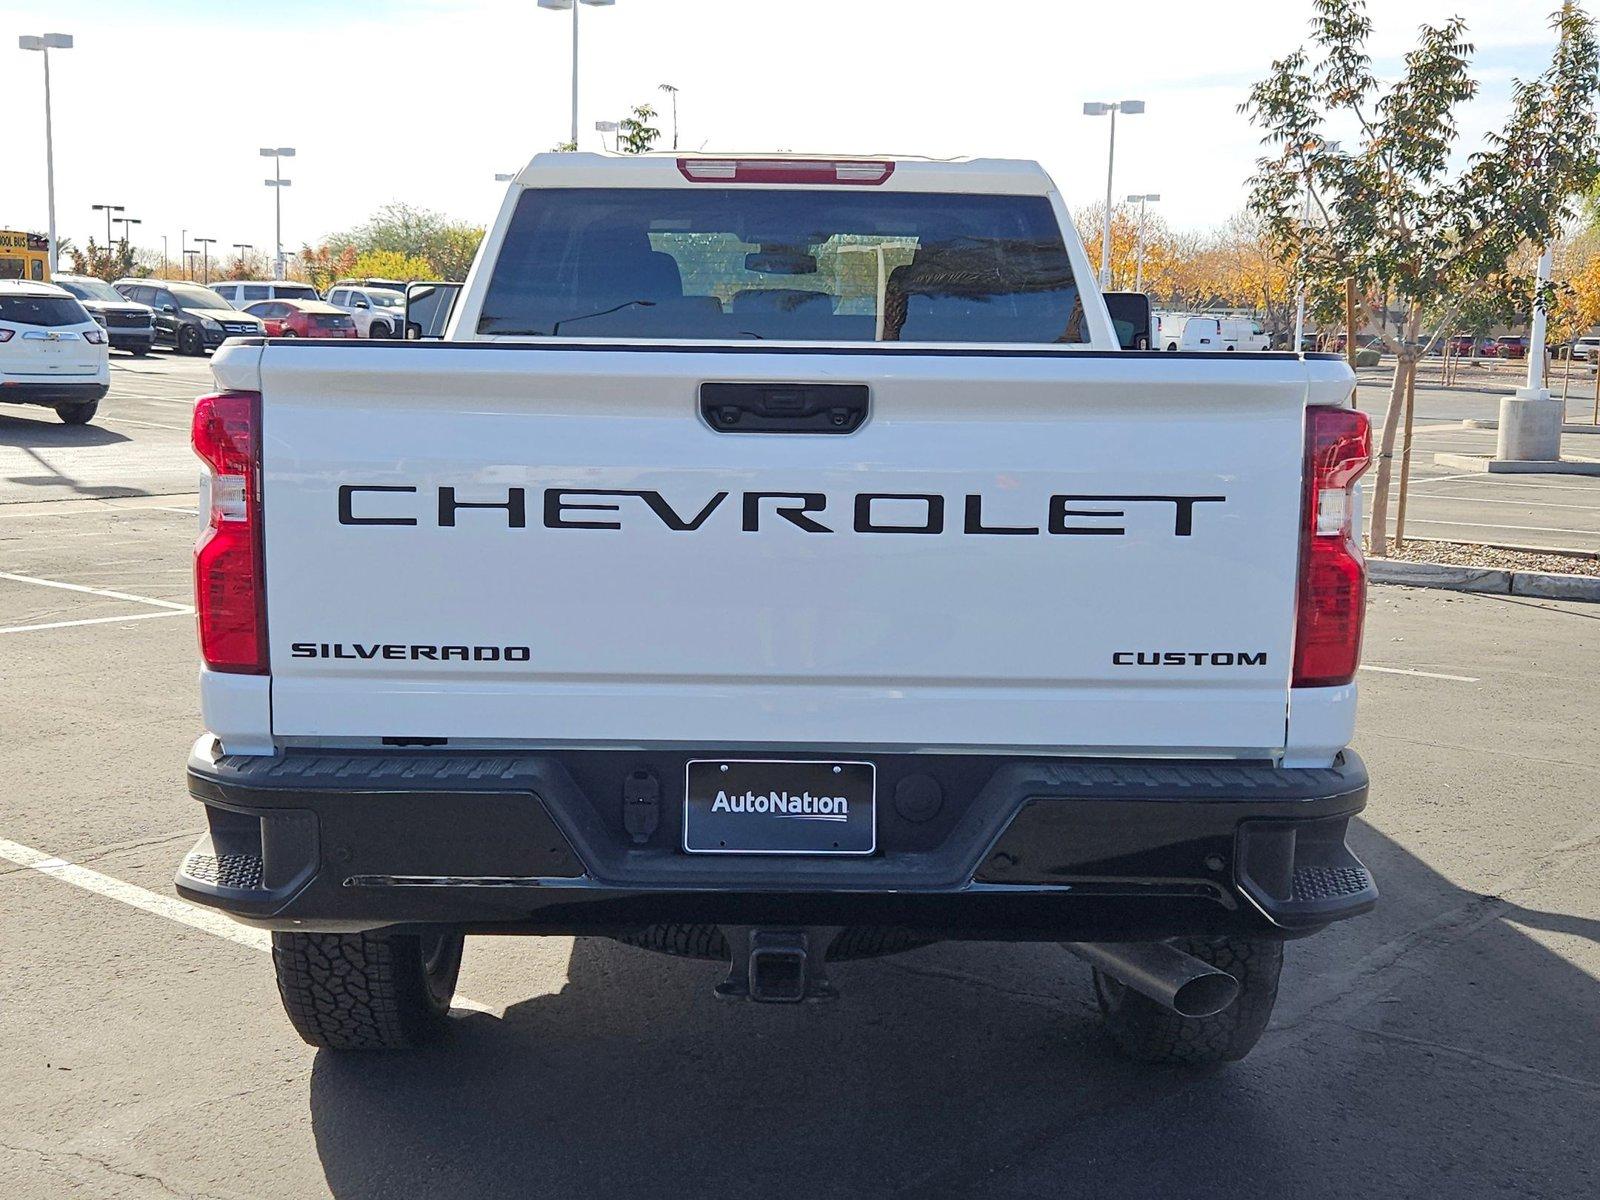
(1333, 575)
(229, 591)
(785, 170)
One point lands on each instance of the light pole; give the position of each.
(205, 258)
(1095, 108)
(605, 127)
(108, 209)
(1305, 226)
(277, 183)
(1151, 197)
(188, 263)
(1530, 419)
(127, 238)
(163, 256)
(45, 43)
(239, 248)
(562, 6)
(673, 92)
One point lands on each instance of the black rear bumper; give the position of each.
(989, 847)
(52, 393)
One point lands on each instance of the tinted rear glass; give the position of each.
(42, 310)
(288, 291)
(733, 264)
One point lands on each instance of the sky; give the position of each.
(162, 105)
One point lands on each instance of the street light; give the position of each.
(1305, 225)
(125, 222)
(205, 258)
(45, 43)
(108, 209)
(673, 92)
(562, 6)
(277, 183)
(1095, 108)
(188, 263)
(1150, 197)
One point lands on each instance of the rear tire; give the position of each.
(78, 414)
(1148, 1032)
(368, 991)
(140, 352)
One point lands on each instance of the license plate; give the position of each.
(743, 806)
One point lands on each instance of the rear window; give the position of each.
(42, 310)
(732, 264)
(292, 292)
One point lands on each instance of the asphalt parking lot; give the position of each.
(1449, 1043)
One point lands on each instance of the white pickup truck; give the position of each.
(778, 561)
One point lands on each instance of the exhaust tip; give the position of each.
(1206, 995)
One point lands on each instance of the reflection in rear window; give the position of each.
(42, 310)
(732, 264)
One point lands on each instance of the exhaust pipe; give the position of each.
(1187, 985)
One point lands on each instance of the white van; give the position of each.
(1203, 334)
(239, 292)
(1244, 333)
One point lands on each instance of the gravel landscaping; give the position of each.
(1462, 554)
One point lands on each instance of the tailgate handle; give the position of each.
(784, 407)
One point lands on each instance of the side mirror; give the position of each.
(168, 308)
(1130, 317)
(362, 304)
(428, 308)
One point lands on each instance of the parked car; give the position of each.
(1243, 333)
(1586, 348)
(189, 318)
(1463, 345)
(703, 682)
(52, 352)
(1511, 347)
(303, 318)
(371, 281)
(240, 292)
(1193, 333)
(128, 326)
(377, 312)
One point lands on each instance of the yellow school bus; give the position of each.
(24, 256)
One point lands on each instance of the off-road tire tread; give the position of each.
(355, 991)
(1148, 1032)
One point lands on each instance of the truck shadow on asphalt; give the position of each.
(1431, 1047)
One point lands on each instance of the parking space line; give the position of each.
(95, 621)
(94, 591)
(204, 919)
(1526, 528)
(1488, 500)
(1421, 674)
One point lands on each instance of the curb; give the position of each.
(1484, 463)
(1544, 585)
(1568, 427)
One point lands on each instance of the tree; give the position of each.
(442, 244)
(635, 134)
(1387, 212)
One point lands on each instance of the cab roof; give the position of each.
(898, 173)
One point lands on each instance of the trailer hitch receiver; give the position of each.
(778, 966)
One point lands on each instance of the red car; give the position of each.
(302, 318)
(1511, 347)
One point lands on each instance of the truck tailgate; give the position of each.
(549, 544)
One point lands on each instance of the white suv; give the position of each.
(239, 292)
(377, 312)
(52, 352)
